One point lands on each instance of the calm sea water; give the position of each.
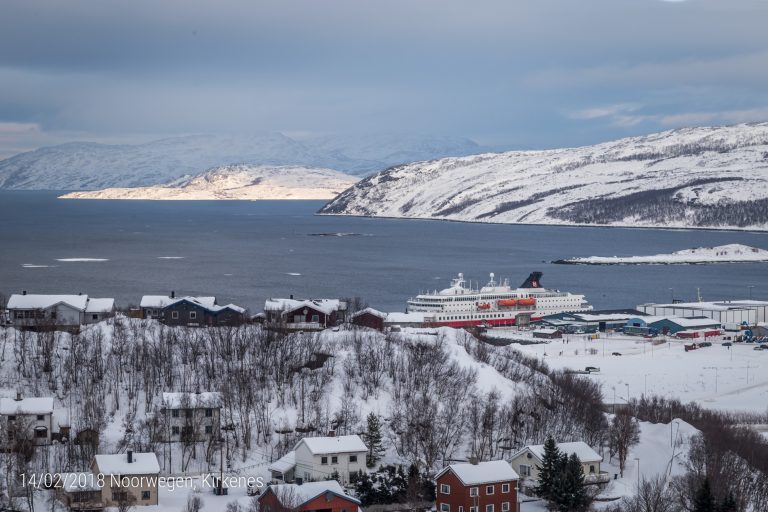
(244, 252)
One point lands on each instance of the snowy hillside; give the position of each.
(237, 182)
(730, 253)
(714, 177)
(91, 166)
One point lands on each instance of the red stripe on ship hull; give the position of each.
(490, 322)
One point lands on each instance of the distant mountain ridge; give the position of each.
(237, 182)
(92, 166)
(708, 177)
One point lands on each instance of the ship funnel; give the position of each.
(533, 281)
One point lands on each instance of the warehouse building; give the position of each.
(724, 312)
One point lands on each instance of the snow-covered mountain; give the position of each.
(90, 166)
(237, 182)
(714, 177)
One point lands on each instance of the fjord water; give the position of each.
(244, 252)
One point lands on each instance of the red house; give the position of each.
(371, 318)
(326, 496)
(483, 487)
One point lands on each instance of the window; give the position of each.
(188, 413)
(591, 469)
(445, 489)
(353, 458)
(175, 413)
(474, 491)
(11, 417)
(175, 431)
(175, 315)
(119, 495)
(323, 460)
(208, 429)
(489, 508)
(193, 315)
(489, 489)
(445, 507)
(461, 508)
(316, 318)
(208, 413)
(334, 460)
(525, 470)
(505, 507)
(40, 418)
(145, 495)
(472, 509)
(94, 317)
(41, 432)
(504, 487)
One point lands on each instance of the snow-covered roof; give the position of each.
(487, 472)
(370, 311)
(193, 400)
(648, 320)
(233, 307)
(582, 450)
(297, 495)
(326, 306)
(405, 318)
(33, 301)
(693, 322)
(337, 444)
(285, 463)
(33, 405)
(77, 482)
(100, 305)
(545, 330)
(117, 464)
(603, 317)
(161, 301)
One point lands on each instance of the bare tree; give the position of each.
(624, 433)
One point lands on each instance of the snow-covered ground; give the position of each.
(688, 171)
(717, 377)
(730, 253)
(237, 182)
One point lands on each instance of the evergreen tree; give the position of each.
(549, 470)
(704, 501)
(374, 441)
(571, 495)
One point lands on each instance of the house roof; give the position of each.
(33, 405)
(117, 464)
(233, 307)
(34, 301)
(693, 322)
(370, 311)
(582, 450)
(100, 305)
(326, 306)
(285, 463)
(194, 400)
(486, 472)
(161, 301)
(297, 495)
(338, 444)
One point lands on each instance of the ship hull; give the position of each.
(489, 322)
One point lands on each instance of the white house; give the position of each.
(190, 416)
(128, 478)
(527, 461)
(317, 458)
(68, 311)
(31, 417)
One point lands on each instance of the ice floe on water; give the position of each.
(81, 260)
(292, 274)
(170, 257)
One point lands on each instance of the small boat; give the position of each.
(526, 302)
(507, 303)
(484, 305)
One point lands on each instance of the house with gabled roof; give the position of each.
(57, 311)
(304, 314)
(318, 458)
(190, 311)
(529, 459)
(30, 417)
(129, 478)
(189, 417)
(489, 486)
(325, 496)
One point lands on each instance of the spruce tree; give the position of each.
(374, 441)
(549, 470)
(728, 504)
(704, 501)
(572, 495)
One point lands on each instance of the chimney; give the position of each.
(130, 456)
(299, 480)
(23, 292)
(173, 294)
(473, 461)
(18, 396)
(331, 433)
(291, 295)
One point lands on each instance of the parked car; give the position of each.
(706, 344)
(616, 354)
(727, 344)
(759, 347)
(591, 369)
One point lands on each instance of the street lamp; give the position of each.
(638, 473)
(627, 384)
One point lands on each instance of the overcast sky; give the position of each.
(518, 74)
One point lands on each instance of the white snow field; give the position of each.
(675, 179)
(730, 253)
(237, 182)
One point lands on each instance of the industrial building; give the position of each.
(724, 312)
(594, 321)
